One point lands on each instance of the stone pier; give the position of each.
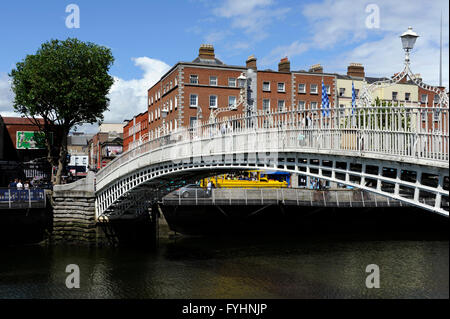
(74, 220)
(74, 213)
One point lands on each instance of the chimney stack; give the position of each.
(206, 52)
(356, 70)
(251, 63)
(284, 65)
(316, 68)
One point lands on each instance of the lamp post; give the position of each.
(408, 40)
(164, 113)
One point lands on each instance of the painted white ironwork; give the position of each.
(352, 149)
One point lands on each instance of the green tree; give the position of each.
(66, 84)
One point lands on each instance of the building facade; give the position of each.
(190, 91)
(106, 145)
(135, 131)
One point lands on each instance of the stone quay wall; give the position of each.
(74, 213)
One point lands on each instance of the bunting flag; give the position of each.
(353, 98)
(325, 101)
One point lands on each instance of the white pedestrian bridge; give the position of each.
(399, 151)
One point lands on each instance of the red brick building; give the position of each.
(207, 84)
(105, 145)
(10, 128)
(430, 99)
(135, 131)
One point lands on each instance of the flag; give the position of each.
(353, 98)
(325, 101)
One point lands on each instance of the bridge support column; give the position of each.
(74, 213)
(294, 180)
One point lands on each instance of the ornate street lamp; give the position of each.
(408, 40)
(242, 81)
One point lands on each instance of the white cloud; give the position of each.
(380, 49)
(345, 33)
(129, 97)
(6, 96)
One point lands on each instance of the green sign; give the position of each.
(30, 140)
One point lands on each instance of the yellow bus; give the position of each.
(251, 179)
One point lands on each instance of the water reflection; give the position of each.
(238, 267)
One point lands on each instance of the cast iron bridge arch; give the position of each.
(398, 151)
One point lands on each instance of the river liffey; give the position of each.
(234, 267)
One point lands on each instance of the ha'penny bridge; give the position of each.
(393, 153)
(389, 151)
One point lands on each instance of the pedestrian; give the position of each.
(13, 184)
(26, 185)
(209, 188)
(19, 185)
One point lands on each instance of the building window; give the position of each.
(327, 88)
(342, 109)
(281, 87)
(266, 105)
(341, 92)
(424, 98)
(407, 96)
(231, 101)
(213, 101)
(194, 79)
(436, 99)
(193, 100)
(213, 80)
(176, 103)
(313, 88)
(280, 105)
(170, 87)
(357, 92)
(176, 82)
(266, 86)
(232, 82)
(394, 96)
(170, 103)
(436, 115)
(301, 88)
(301, 105)
(192, 121)
(313, 105)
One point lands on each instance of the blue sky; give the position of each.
(148, 37)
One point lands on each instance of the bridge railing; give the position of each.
(285, 196)
(28, 198)
(406, 132)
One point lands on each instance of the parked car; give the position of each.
(191, 190)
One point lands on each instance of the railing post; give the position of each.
(9, 198)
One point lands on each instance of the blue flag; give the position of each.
(325, 101)
(353, 98)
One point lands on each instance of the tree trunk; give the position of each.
(61, 159)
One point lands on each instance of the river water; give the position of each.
(234, 267)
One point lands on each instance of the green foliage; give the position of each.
(65, 82)
(382, 117)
